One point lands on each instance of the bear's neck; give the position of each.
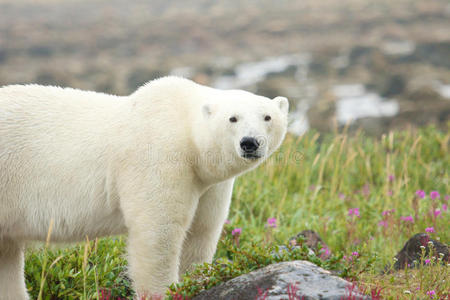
(215, 166)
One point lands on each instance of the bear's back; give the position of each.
(28, 110)
(39, 99)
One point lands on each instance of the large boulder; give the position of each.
(285, 280)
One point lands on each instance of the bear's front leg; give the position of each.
(12, 280)
(157, 226)
(204, 233)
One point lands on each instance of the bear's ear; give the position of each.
(283, 104)
(207, 110)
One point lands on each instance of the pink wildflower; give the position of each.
(390, 193)
(355, 253)
(325, 253)
(407, 219)
(354, 211)
(391, 178)
(431, 293)
(341, 196)
(427, 261)
(429, 229)
(421, 194)
(437, 212)
(434, 195)
(444, 207)
(388, 212)
(236, 231)
(272, 222)
(366, 190)
(227, 221)
(447, 197)
(383, 224)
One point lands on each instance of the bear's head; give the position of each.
(240, 130)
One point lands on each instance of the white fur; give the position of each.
(158, 164)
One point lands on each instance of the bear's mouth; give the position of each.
(251, 155)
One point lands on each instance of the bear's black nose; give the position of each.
(249, 144)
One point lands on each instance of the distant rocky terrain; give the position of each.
(378, 65)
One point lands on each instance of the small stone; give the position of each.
(412, 251)
(312, 240)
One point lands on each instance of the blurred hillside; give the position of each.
(384, 63)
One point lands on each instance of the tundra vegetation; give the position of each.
(366, 196)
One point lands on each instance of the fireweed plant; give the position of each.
(365, 197)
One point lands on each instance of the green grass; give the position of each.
(310, 183)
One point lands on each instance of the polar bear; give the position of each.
(158, 165)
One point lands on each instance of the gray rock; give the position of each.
(274, 282)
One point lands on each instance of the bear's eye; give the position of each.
(233, 119)
(267, 118)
